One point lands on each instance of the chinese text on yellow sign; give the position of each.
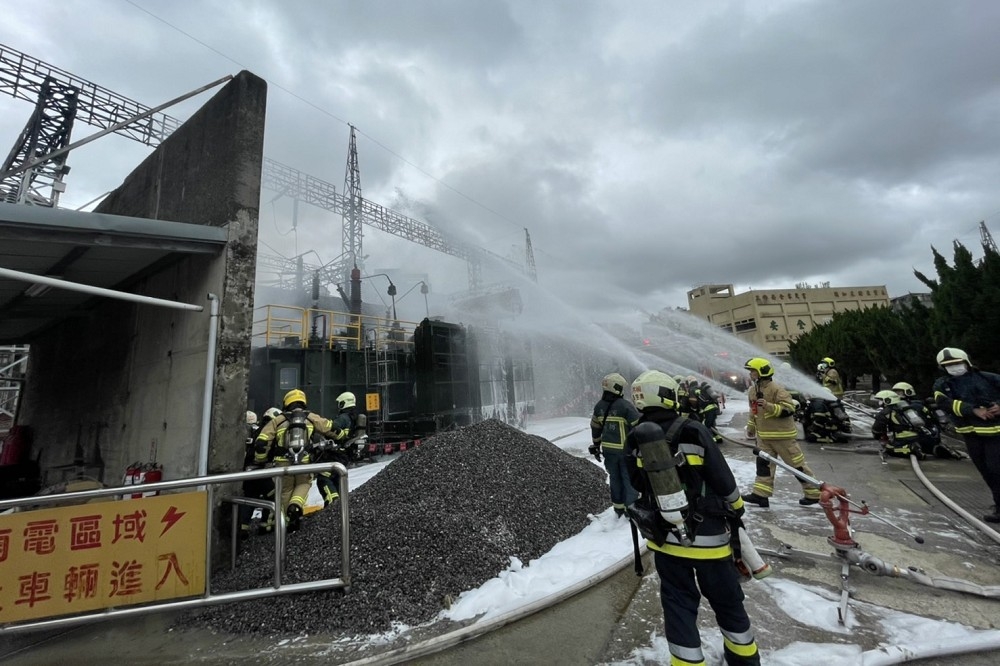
(88, 557)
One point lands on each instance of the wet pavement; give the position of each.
(614, 620)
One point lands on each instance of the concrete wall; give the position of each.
(126, 378)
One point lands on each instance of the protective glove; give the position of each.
(750, 433)
(738, 513)
(595, 450)
(260, 448)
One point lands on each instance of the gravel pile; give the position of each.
(439, 520)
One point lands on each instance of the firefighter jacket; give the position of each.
(702, 405)
(775, 420)
(347, 426)
(613, 417)
(832, 382)
(270, 443)
(901, 423)
(959, 396)
(711, 489)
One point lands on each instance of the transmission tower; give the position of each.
(529, 257)
(352, 233)
(987, 238)
(23, 77)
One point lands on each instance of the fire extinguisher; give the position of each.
(139, 473)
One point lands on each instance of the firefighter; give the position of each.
(708, 409)
(970, 397)
(830, 378)
(931, 421)
(688, 530)
(257, 488)
(349, 430)
(683, 404)
(611, 422)
(771, 421)
(286, 440)
(898, 427)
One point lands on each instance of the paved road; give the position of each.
(615, 618)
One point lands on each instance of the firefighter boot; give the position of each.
(294, 515)
(759, 500)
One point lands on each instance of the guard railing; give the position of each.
(210, 485)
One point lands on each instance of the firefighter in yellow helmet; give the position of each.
(612, 419)
(772, 422)
(684, 511)
(286, 440)
(830, 377)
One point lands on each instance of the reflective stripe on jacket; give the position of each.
(776, 422)
(611, 432)
(960, 396)
(706, 477)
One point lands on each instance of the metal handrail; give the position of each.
(207, 599)
(279, 322)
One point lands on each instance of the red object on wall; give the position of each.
(140, 473)
(16, 445)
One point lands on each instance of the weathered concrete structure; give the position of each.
(126, 379)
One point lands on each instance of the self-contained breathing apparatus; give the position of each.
(928, 435)
(668, 510)
(297, 436)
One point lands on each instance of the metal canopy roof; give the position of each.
(95, 249)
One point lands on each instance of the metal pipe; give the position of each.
(96, 291)
(345, 528)
(206, 401)
(110, 130)
(207, 599)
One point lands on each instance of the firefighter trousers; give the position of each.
(295, 490)
(985, 454)
(683, 581)
(789, 452)
(622, 492)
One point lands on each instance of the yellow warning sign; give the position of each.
(371, 402)
(83, 558)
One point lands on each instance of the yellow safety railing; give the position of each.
(292, 326)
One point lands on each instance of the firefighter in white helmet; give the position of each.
(611, 422)
(688, 499)
(257, 488)
(350, 430)
(287, 440)
(971, 398)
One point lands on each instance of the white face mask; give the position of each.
(956, 370)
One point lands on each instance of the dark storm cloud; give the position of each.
(647, 147)
(889, 91)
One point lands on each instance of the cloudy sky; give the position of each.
(647, 146)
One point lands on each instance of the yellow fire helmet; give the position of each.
(761, 365)
(294, 396)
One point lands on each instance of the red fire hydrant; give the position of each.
(839, 517)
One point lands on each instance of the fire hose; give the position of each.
(849, 552)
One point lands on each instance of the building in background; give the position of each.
(771, 318)
(923, 297)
